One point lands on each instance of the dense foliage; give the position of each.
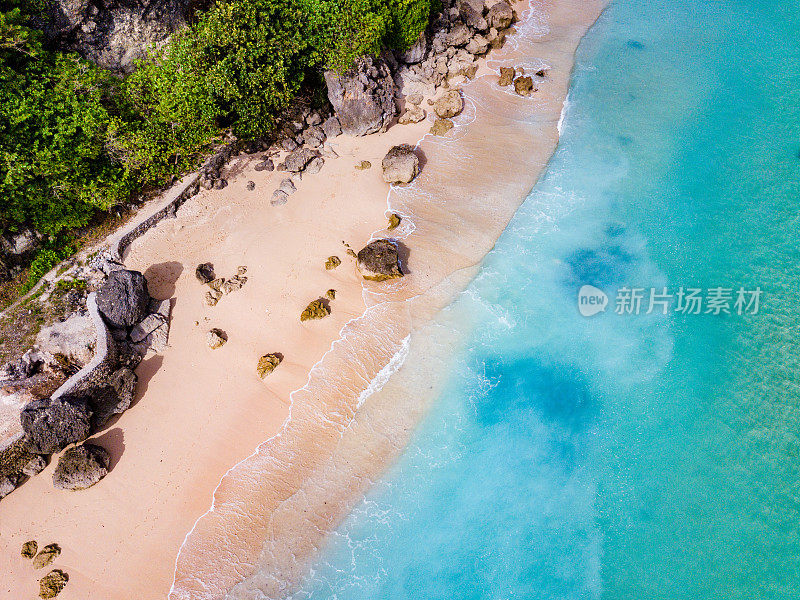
(75, 139)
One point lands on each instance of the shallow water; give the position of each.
(620, 456)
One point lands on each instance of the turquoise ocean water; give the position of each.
(621, 456)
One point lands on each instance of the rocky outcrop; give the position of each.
(400, 165)
(205, 272)
(363, 97)
(416, 53)
(81, 467)
(8, 484)
(297, 160)
(114, 33)
(267, 364)
(123, 298)
(500, 15)
(74, 338)
(524, 86)
(52, 584)
(52, 425)
(379, 261)
(29, 549)
(35, 466)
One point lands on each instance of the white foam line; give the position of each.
(564, 107)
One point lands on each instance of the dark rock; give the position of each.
(314, 136)
(331, 294)
(400, 165)
(123, 298)
(379, 261)
(29, 549)
(204, 272)
(251, 185)
(81, 467)
(52, 425)
(115, 398)
(51, 584)
(459, 35)
(46, 556)
(363, 97)
(394, 221)
(542, 72)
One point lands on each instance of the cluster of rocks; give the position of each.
(56, 580)
(464, 31)
(106, 345)
(523, 85)
(219, 286)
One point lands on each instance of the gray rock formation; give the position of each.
(400, 165)
(500, 15)
(332, 127)
(114, 33)
(379, 261)
(7, 485)
(74, 338)
(52, 425)
(297, 160)
(416, 53)
(123, 298)
(449, 105)
(81, 467)
(363, 97)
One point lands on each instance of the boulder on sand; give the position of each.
(46, 556)
(51, 584)
(400, 165)
(441, 126)
(81, 467)
(449, 105)
(267, 364)
(52, 425)
(204, 272)
(506, 76)
(123, 298)
(332, 263)
(523, 86)
(363, 97)
(316, 309)
(216, 338)
(29, 549)
(379, 261)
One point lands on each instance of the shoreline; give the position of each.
(272, 575)
(201, 411)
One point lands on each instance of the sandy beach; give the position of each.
(320, 439)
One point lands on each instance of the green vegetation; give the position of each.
(75, 139)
